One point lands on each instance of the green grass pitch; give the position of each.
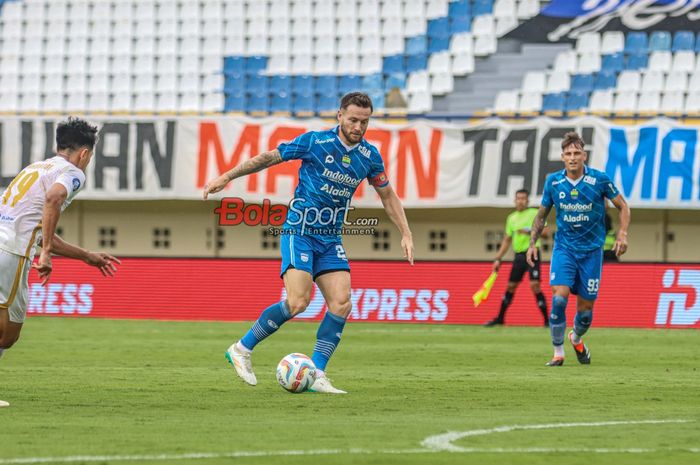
(147, 392)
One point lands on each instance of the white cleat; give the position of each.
(4, 404)
(241, 362)
(323, 384)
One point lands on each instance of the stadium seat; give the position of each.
(322, 45)
(506, 102)
(303, 85)
(697, 44)
(694, 82)
(673, 103)
(588, 63)
(676, 81)
(349, 83)
(628, 81)
(98, 102)
(419, 82)
(327, 103)
(605, 80)
(281, 103)
(612, 42)
(326, 85)
(692, 103)
(463, 63)
(660, 41)
(377, 97)
(53, 102)
(233, 83)
(558, 82)
(582, 83)
(234, 102)
(303, 104)
(392, 27)
(439, 27)
(484, 26)
(485, 45)
(653, 81)
(348, 64)
(649, 103)
(436, 9)
(373, 82)
(416, 63)
(601, 101)
(554, 103)
(166, 102)
(324, 64)
(394, 80)
(302, 64)
(416, 45)
(278, 64)
(613, 62)
(683, 41)
(588, 42)
(9, 101)
(576, 101)
(460, 24)
(637, 61)
(683, 61)
(257, 103)
(625, 102)
(255, 64)
(462, 43)
(483, 7)
(441, 84)
(566, 61)
(394, 64)
(421, 102)
(660, 61)
(636, 42)
(505, 25)
(211, 83)
(439, 63)
(530, 102)
(459, 8)
(122, 102)
(234, 65)
(256, 84)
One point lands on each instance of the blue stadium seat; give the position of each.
(255, 84)
(576, 101)
(377, 97)
(605, 80)
(417, 63)
(234, 65)
(461, 23)
(304, 103)
(416, 45)
(554, 102)
(459, 8)
(683, 40)
(613, 62)
(483, 7)
(582, 83)
(439, 27)
(636, 42)
(327, 85)
(636, 61)
(280, 84)
(235, 101)
(255, 65)
(234, 83)
(281, 103)
(395, 80)
(438, 44)
(327, 103)
(697, 44)
(394, 64)
(349, 83)
(258, 103)
(303, 85)
(660, 41)
(373, 82)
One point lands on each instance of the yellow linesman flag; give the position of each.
(483, 293)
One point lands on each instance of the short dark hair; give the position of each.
(75, 133)
(523, 191)
(572, 138)
(360, 99)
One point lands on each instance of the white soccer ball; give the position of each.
(296, 373)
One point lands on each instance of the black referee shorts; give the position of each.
(520, 265)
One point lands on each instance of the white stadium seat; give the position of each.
(558, 82)
(613, 42)
(676, 81)
(420, 102)
(588, 42)
(463, 63)
(692, 103)
(629, 81)
(625, 102)
(653, 81)
(660, 61)
(601, 101)
(418, 81)
(673, 102)
(684, 61)
(649, 102)
(530, 102)
(506, 101)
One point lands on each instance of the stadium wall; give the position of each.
(631, 295)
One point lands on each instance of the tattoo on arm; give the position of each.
(255, 164)
(538, 224)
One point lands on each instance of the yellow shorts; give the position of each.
(14, 281)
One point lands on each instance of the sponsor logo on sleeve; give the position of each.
(76, 184)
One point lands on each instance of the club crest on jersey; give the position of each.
(76, 184)
(304, 257)
(346, 160)
(329, 159)
(574, 193)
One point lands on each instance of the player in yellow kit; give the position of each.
(517, 233)
(29, 211)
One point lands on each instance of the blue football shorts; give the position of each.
(312, 255)
(578, 270)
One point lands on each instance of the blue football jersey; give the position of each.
(580, 208)
(328, 178)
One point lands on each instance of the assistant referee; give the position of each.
(517, 232)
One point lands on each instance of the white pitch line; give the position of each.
(433, 444)
(443, 442)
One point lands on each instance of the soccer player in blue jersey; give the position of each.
(578, 194)
(334, 163)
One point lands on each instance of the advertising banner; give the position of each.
(631, 295)
(429, 164)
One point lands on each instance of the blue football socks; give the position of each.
(327, 339)
(557, 320)
(582, 322)
(269, 321)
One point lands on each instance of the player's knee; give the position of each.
(342, 308)
(535, 287)
(585, 317)
(298, 304)
(511, 287)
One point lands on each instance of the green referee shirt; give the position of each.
(517, 221)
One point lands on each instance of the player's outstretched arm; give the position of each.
(537, 227)
(104, 262)
(55, 197)
(620, 245)
(394, 208)
(252, 165)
